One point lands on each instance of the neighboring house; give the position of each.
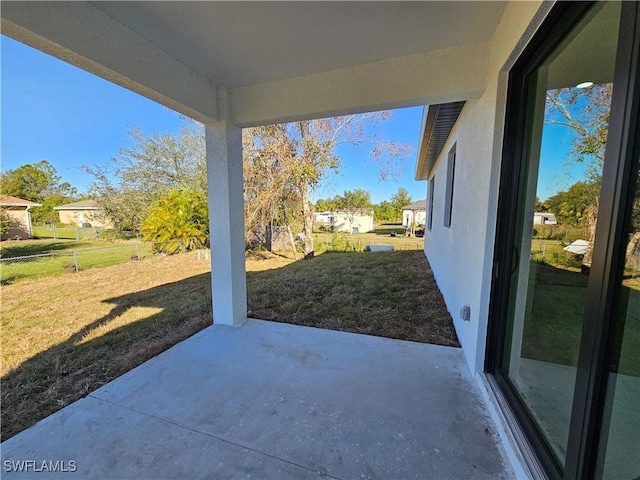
(85, 213)
(415, 212)
(544, 218)
(561, 376)
(325, 218)
(347, 222)
(18, 210)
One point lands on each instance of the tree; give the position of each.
(384, 212)
(353, 202)
(178, 220)
(137, 176)
(542, 206)
(46, 213)
(399, 200)
(571, 206)
(31, 181)
(585, 111)
(38, 182)
(391, 211)
(269, 197)
(304, 152)
(282, 165)
(326, 205)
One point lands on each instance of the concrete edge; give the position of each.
(508, 446)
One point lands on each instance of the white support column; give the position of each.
(226, 219)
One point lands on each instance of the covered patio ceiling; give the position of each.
(278, 61)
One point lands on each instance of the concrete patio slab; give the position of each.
(270, 400)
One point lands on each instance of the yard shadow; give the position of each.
(87, 359)
(23, 248)
(554, 322)
(387, 228)
(389, 294)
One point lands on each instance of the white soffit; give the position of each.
(277, 59)
(243, 43)
(437, 123)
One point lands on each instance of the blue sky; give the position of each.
(557, 171)
(56, 112)
(53, 111)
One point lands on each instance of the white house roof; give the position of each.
(9, 201)
(277, 61)
(81, 205)
(365, 212)
(419, 205)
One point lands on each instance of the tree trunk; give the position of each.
(293, 243)
(307, 217)
(632, 257)
(591, 213)
(291, 239)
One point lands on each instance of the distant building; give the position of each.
(85, 213)
(339, 221)
(415, 212)
(544, 218)
(18, 210)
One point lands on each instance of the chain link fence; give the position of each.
(69, 261)
(65, 233)
(78, 233)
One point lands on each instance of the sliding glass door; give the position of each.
(565, 310)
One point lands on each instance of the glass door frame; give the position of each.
(621, 158)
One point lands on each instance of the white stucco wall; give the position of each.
(408, 216)
(80, 216)
(344, 222)
(461, 255)
(20, 223)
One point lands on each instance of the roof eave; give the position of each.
(75, 208)
(437, 123)
(28, 205)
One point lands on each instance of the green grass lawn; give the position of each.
(551, 252)
(63, 233)
(553, 326)
(21, 248)
(66, 255)
(380, 236)
(390, 294)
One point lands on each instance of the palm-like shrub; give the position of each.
(178, 221)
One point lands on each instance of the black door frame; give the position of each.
(621, 158)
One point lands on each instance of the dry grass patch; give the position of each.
(388, 294)
(63, 337)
